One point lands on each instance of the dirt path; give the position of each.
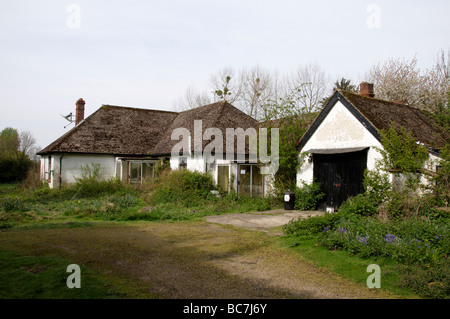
(189, 260)
(266, 221)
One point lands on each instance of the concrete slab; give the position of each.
(262, 221)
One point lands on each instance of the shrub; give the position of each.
(13, 204)
(361, 204)
(92, 184)
(441, 181)
(307, 196)
(14, 170)
(311, 225)
(401, 152)
(32, 180)
(408, 241)
(377, 185)
(427, 282)
(182, 185)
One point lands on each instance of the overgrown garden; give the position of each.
(405, 220)
(172, 196)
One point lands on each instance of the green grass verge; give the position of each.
(349, 266)
(44, 277)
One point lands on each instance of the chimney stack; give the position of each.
(79, 115)
(366, 89)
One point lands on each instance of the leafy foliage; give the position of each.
(14, 164)
(441, 114)
(441, 181)
(90, 184)
(182, 185)
(292, 121)
(401, 152)
(307, 196)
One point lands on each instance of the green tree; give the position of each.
(14, 163)
(401, 152)
(441, 181)
(9, 143)
(292, 121)
(345, 85)
(442, 115)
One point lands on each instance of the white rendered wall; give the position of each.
(194, 163)
(72, 167)
(339, 130)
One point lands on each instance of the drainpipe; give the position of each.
(60, 170)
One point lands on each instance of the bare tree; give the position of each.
(229, 79)
(28, 145)
(254, 90)
(402, 80)
(314, 84)
(257, 88)
(192, 99)
(396, 80)
(436, 82)
(16, 145)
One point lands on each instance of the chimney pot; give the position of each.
(366, 89)
(79, 115)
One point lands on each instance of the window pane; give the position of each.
(223, 177)
(135, 172)
(147, 172)
(244, 179)
(257, 181)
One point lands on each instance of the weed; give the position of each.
(307, 196)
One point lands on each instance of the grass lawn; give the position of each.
(352, 267)
(45, 277)
(45, 211)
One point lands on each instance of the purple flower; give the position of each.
(390, 238)
(363, 240)
(342, 230)
(325, 229)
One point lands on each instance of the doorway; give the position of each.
(250, 181)
(223, 177)
(340, 176)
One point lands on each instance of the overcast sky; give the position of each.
(146, 53)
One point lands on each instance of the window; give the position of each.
(135, 172)
(117, 172)
(148, 171)
(223, 177)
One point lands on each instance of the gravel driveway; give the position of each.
(267, 221)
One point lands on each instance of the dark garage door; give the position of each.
(340, 175)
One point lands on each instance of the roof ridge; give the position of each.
(377, 99)
(136, 108)
(203, 106)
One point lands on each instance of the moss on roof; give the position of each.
(131, 131)
(381, 114)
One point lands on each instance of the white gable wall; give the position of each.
(339, 130)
